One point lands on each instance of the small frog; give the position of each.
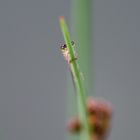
(66, 53)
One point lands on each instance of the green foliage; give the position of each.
(81, 99)
(81, 32)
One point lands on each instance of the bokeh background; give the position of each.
(33, 74)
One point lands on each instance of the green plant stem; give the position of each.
(81, 27)
(81, 100)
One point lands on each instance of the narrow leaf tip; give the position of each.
(61, 18)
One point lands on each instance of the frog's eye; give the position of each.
(63, 47)
(72, 43)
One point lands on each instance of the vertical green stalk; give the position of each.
(81, 27)
(81, 31)
(81, 99)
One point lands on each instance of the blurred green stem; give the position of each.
(81, 99)
(81, 26)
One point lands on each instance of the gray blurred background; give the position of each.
(33, 72)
